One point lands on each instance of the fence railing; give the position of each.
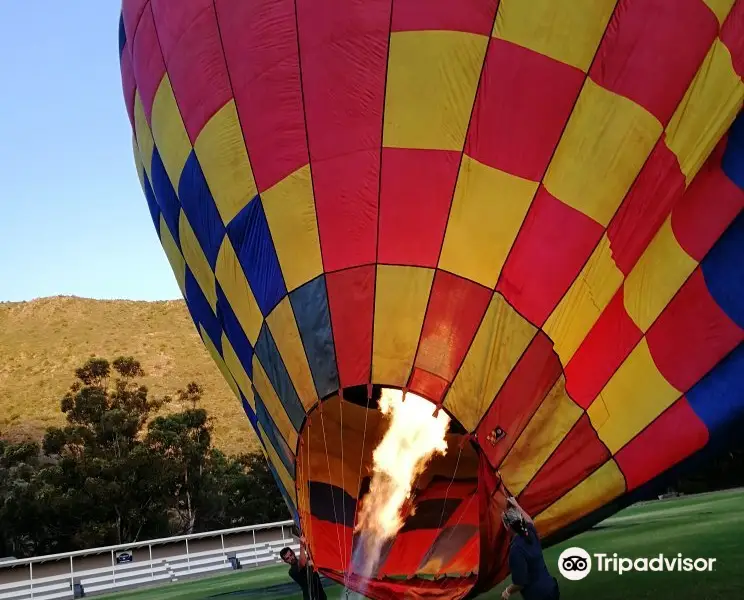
(111, 568)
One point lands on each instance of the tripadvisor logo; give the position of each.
(576, 563)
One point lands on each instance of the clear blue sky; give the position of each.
(73, 219)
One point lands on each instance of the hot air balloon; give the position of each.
(527, 213)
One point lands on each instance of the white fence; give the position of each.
(112, 568)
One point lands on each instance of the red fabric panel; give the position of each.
(448, 546)
(691, 335)
(131, 11)
(147, 60)
(603, 350)
(128, 84)
(411, 589)
(409, 549)
(578, 456)
(456, 308)
(417, 188)
(732, 34)
(344, 48)
(351, 297)
(554, 243)
(634, 60)
(466, 559)
(697, 221)
(427, 385)
(673, 436)
(524, 390)
(193, 56)
(467, 513)
(260, 42)
(494, 541)
(173, 20)
(649, 201)
(346, 205)
(513, 128)
(327, 542)
(473, 16)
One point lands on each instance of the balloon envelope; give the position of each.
(527, 213)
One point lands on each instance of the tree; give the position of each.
(240, 490)
(106, 480)
(118, 471)
(19, 524)
(183, 441)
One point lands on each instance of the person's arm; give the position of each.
(513, 501)
(511, 589)
(519, 574)
(303, 552)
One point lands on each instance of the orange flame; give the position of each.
(413, 437)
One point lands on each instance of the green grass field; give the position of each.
(708, 526)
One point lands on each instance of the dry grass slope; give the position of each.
(44, 340)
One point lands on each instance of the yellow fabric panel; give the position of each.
(545, 431)
(138, 162)
(431, 83)
(290, 211)
(237, 371)
(301, 483)
(585, 300)
(324, 438)
(401, 297)
(604, 146)
(215, 354)
(271, 454)
(487, 211)
(709, 107)
(175, 258)
(500, 341)
(635, 395)
(197, 261)
(221, 152)
(721, 8)
(273, 405)
(144, 135)
(169, 132)
(601, 487)
(283, 327)
(565, 30)
(237, 291)
(656, 277)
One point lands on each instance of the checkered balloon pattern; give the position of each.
(529, 213)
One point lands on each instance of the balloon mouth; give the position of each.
(438, 538)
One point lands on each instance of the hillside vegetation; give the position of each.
(44, 340)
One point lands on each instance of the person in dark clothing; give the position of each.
(302, 571)
(529, 573)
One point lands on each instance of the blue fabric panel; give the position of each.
(152, 203)
(234, 330)
(332, 503)
(122, 35)
(165, 195)
(201, 311)
(250, 414)
(718, 398)
(273, 364)
(723, 269)
(310, 305)
(733, 157)
(274, 436)
(200, 209)
(251, 238)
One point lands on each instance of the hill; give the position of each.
(44, 340)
